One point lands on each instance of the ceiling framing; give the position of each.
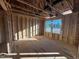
(41, 7)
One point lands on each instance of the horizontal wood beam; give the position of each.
(27, 55)
(22, 12)
(16, 6)
(32, 6)
(25, 10)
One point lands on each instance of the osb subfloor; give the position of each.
(41, 44)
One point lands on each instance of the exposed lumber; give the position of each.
(31, 6)
(76, 5)
(2, 3)
(25, 13)
(24, 27)
(53, 8)
(69, 30)
(2, 29)
(19, 27)
(78, 52)
(69, 4)
(24, 9)
(42, 4)
(15, 6)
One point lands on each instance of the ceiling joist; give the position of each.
(31, 6)
(70, 5)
